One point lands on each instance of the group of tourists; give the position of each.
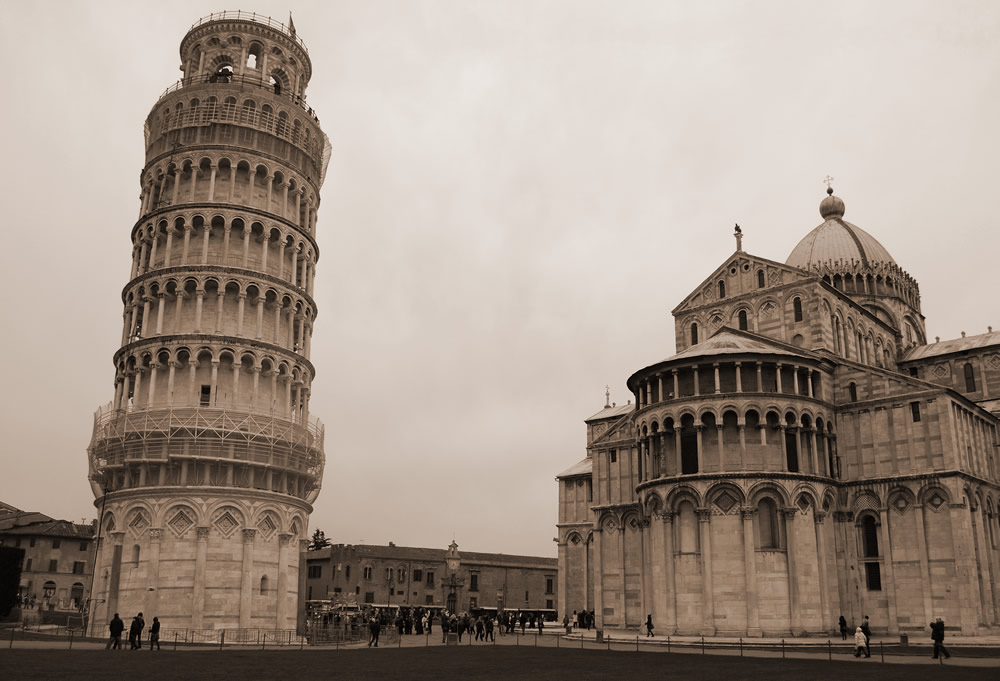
(116, 626)
(863, 637)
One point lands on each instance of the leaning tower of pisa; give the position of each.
(206, 462)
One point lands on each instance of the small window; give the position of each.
(743, 320)
(914, 372)
(78, 567)
(722, 289)
(970, 379)
(549, 604)
(760, 278)
(315, 572)
(357, 591)
(852, 388)
(31, 542)
(474, 583)
(367, 572)
(83, 546)
(429, 599)
(369, 597)
(337, 590)
(430, 578)
(915, 411)
(548, 585)
(767, 524)
(56, 543)
(263, 585)
(869, 536)
(418, 575)
(797, 306)
(614, 456)
(347, 572)
(27, 565)
(401, 575)
(473, 603)
(17, 541)
(53, 566)
(525, 596)
(873, 576)
(694, 334)
(206, 395)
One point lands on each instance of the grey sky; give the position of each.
(519, 194)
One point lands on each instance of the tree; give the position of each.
(11, 560)
(319, 541)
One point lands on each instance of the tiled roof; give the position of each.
(418, 554)
(53, 528)
(584, 467)
(948, 347)
(611, 412)
(726, 342)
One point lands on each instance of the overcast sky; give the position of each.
(519, 194)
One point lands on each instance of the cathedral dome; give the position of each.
(837, 241)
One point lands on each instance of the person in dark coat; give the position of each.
(843, 628)
(116, 627)
(373, 632)
(649, 625)
(135, 632)
(154, 634)
(866, 629)
(937, 635)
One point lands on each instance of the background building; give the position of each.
(206, 463)
(804, 455)
(403, 575)
(58, 557)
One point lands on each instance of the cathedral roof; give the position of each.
(611, 412)
(729, 342)
(584, 467)
(837, 241)
(947, 347)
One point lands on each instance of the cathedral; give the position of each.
(805, 454)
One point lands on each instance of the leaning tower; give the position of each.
(206, 462)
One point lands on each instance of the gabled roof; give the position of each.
(948, 347)
(585, 467)
(802, 275)
(611, 412)
(420, 554)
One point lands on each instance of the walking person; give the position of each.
(860, 643)
(937, 635)
(373, 631)
(489, 630)
(115, 627)
(154, 634)
(866, 629)
(843, 628)
(480, 629)
(135, 632)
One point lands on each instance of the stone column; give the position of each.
(677, 390)
(199, 299)
(791, 549)
(715, 369)
(198, 590)
(707, 601)
(701, 448)
(598, 580)
(750, 572)
(562, 591)
(281, 604)
(824, 600)
(247, 576)
(168, 247)
(697, 383)
(211, 183)
(153, 366)
(239, 314)
(777, 373)
(187, 244)
(739, 377)
(153, 572)
(889, 586)
(159, 312)
(670, 588)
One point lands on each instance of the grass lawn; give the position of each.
(436, 664)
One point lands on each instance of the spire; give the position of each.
(291, 24)
(739, 238)
(607, 397)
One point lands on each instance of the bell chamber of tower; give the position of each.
(207, 461)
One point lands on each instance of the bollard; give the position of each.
(581, 641)
(264, 643)
(782, 649)
(829, 649)
(702, 645)
(11, 637)
(175, 640)
(668, 644)
(609, 643)
(741, 646)
(71, 639)
(882, 651)
(302, 641)
(222, 638)
(636, 644)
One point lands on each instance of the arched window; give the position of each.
(689, 445)
(760, 278)
(694, 333)
(852, 388)
(797, 305)
(263, 585)
(135, 553)
(743, 320)
(722, 289)
(970, 379)
(767, 525)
